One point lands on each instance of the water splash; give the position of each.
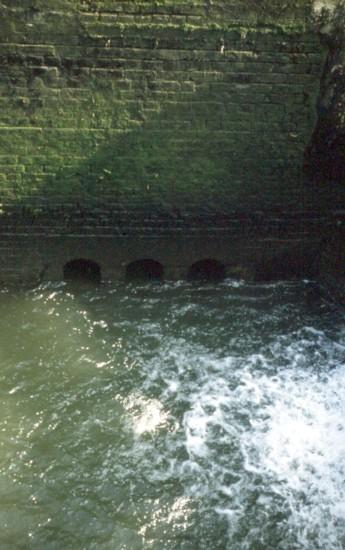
(172, 417)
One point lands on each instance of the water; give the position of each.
(172, 417)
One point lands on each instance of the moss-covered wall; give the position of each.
(144, 107)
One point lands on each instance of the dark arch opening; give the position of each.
(207, 270)
(288, 266)
(82, 271)
(144, 270)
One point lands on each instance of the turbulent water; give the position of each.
(172, 417)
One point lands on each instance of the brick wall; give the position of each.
(139, 117)
(170, 106)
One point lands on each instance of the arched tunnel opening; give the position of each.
(82, 271)
(291, 265)
(144, 270)
(207, 270)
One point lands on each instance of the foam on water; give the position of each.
(285, 436)
(173, 417)
(264, 434)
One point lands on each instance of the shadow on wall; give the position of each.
(207, 270)
(287, 266)
(216, 144)
(198, 160)
(144, 270)
(324, 161)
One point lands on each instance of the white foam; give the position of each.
(231, 409)
(288, 434)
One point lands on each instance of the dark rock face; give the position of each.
(324, 165)
(325, 155)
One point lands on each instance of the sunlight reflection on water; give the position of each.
(172, 416)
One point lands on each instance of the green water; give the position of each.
(172, 417)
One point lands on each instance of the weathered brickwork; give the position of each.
(123, 118)
(167, 106)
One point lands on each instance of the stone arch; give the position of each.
(82, 270)
(207, 270)
(144, 270)
(285, 266)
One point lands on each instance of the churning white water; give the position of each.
(172, 417)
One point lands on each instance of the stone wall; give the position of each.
(325, 155)
(157, 106)
(123, 118)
